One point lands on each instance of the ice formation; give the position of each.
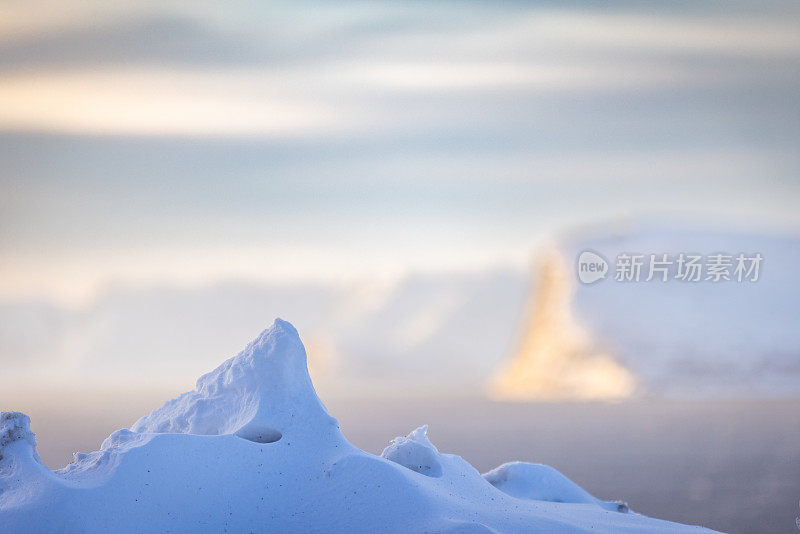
(252, 449)
(557, 360)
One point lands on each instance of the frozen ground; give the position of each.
(252, 448)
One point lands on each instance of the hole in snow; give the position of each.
(259, 434)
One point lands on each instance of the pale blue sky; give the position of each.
(175, 143)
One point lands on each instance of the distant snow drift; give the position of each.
(697, 339)
(252, 449)
(610, 339)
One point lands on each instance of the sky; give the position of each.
(187, 143)
(174, 175)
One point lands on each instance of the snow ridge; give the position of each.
(252, 449)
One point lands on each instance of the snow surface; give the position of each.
(252, 449)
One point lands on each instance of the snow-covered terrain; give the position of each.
(252, 449)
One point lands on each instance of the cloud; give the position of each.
(277, 72)
(170, 331)
(155, 40)
(140, 137)
(159, 102)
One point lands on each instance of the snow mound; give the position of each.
(415, 452)
(15, 426)
(252, 449)
(540, 482)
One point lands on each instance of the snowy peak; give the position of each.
(15, 427)
(275, 358)
(259, 394)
